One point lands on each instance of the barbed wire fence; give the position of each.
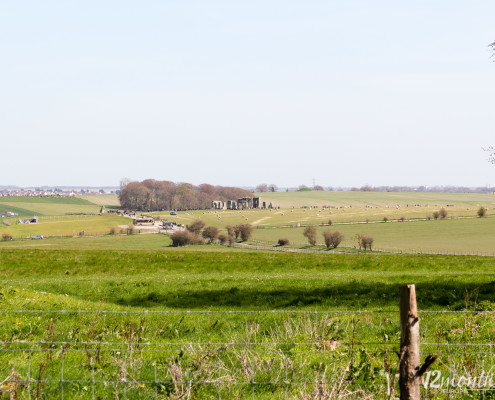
(325, 354)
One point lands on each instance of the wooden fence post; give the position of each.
(409, 363)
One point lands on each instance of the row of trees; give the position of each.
(152, 195)
(197, 233)
(334, 238)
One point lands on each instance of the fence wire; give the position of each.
(275, 354)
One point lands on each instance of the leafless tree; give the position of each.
(210, 233)
(196, 226)
(310, 234)
(246, 231)
(262, 188)
(491, 151)
(230, 230)
(332, 239)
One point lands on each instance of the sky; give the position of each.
(345, 93)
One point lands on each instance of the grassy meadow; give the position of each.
(65, 226)
(377, 199)
(229, 351)
(29, 206)
(212, 321)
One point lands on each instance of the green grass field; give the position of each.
(283, 354)
(102, 199)
(65, 226)
(469, 236)
(186, 279)
(29, 206)
(380, 199)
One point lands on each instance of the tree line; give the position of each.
(153, 195)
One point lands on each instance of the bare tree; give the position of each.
(230, 230)
(310, 234)
(332, 239)
(210, 233)
(246, 231)
(491, 149)
(196, 226)
(272, 187)
(262, 188)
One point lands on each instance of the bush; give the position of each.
(310, 234)
(223, 238)
(6, 236)
(131, 230)
(283, 242)
(113, 231)
(246, 230)
(482, 212)
(196, 226)
(183, 238)
(385, 219)
(367, 242)
(443, 213)
(329, 222)
(364, 242)
(237, 231)
(402, 219)
(210, 233)
(428, 217)
(230, 230)
(332, 239)
(436, 214)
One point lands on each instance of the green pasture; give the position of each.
(30, 205)
(102, 199)
(317, 216)
(462, 236)
(183, 279)
(144, 241)
(380, 199)
(65, 226)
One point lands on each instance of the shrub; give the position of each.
(183, 238)
(332, 239)
(364, 242)
(385, 219)
(436, 214)
(402, 219)
(230, 230)
(443, 213)
(246, 230)
(196, 226)
(310, 234)
(367, 242)
(6, 236)
(210, 233)
(237, 231)
(482, 212)
(113, 231)
(329, 222)
(131, 230)
(223, 238)
(230, 240)
(283, 242)
(428, 217)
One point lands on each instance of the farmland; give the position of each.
(150, 320)
(380, 199)
(175, 280)
(29, 206)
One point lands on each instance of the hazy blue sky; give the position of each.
(243, 92)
